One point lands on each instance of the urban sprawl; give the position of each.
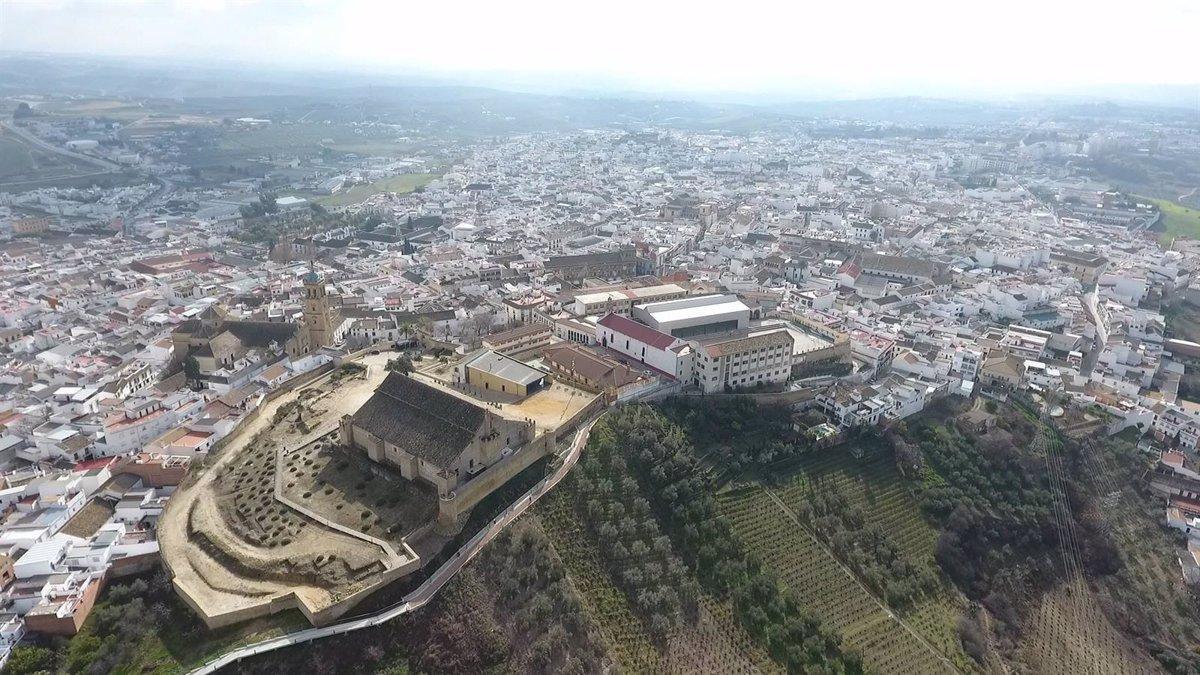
(220, 366)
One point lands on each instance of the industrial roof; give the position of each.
(505, 367)
(693, 308)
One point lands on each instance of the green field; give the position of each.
(1178, 220)
(810, 570)
(116, 109)
(874, 484)
(15, 158)
(301, 138)
(405, 182)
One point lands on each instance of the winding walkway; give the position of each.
(426, 591)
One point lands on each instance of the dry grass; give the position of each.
(1070, 634)
(351, 490)
(90, 519)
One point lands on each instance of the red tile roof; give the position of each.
(1188, 506)
(851, 267)
(1173, 458)
(89, 464)
(637, 331)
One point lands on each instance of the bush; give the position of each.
(973, 640)
(28, 659)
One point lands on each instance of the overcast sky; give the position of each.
(857, 47)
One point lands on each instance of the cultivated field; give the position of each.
(1070, 634)
(404, 183)
(109, 108)
(308, 138)
(714, 643)
(874, 485)
(824, 586)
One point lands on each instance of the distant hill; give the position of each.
(566, 107)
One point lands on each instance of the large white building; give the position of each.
(665, 353)
(690, 317)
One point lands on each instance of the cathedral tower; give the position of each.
(319, 318)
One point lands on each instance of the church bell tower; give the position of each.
(318, 318)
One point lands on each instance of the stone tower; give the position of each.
(319, 318)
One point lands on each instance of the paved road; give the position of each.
(159, 196)
(1101, 338)
(32, 139)
(426, 591)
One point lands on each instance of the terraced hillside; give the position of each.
(712, 643)
(827, 588)
(874, 485)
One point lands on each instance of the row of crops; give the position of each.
(824, 586)
(712, 642)
(1070, 633)
(874, 485)
(627, 637)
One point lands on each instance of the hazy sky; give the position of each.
(848, 46)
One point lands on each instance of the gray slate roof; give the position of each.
(421, 420)
(505, 367)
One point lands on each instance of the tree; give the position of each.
(402, 365)
(28, 659)
(191, 369)
(407, 329)
(477, 327)
(23, 110)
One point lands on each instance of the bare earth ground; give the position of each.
(355, 492)
(282, 512)
(232, 547)
(548, 408)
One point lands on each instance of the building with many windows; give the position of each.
(743, 359)
(520, 339)
(621, 301)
